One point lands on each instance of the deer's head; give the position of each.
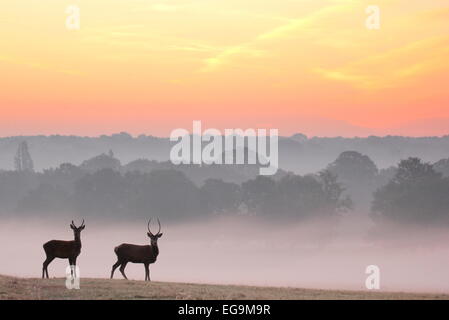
(77, 230)
(154, 237)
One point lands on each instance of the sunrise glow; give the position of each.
(146, 66)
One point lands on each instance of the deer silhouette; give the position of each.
(138, 254)
(63, 249)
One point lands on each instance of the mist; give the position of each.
(244, 250)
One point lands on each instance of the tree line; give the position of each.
(412, 192)
(166, 193)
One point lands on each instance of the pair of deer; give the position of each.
(125, 252)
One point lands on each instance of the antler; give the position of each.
(82, 224)
(159, 223)
(149, 226)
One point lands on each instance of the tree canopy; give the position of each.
(416, 194)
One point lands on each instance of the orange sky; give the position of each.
(146, 66)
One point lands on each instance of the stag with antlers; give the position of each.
(63, 249)
(138, 254)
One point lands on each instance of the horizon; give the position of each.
(149, 135)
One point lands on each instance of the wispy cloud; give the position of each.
(394, 67)
(290, 27)
(41, 66)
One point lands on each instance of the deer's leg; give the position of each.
(122, 269)
(115, 266)
(74, 267)
(45, 266)
(70, 265)
(147, 272)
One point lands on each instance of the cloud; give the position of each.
(213, 63)
(441, 14)
(394, 67)
(41, 66)
(291, 27)
(161, 7)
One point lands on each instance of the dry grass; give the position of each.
(32, 288)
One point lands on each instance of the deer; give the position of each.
(145, 254)
(63, 249)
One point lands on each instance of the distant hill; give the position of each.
(298, 153)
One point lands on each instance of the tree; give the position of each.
(45, 198)
(219, 196)
(299, 196)
(101, 192)
(259, 195)
(164, 193)
(296, 196)
(442, 166)
(416, 194)
(14, 185)
(413, 170)
(22, 160)
(102, 161)
(63, 177)
(333, 193)
(353, 166)
(358, 173)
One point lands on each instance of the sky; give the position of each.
(151, 66)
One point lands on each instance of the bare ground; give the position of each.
(48, 289)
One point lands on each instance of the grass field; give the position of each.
(33, 288)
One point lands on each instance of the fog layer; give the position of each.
(244, 250)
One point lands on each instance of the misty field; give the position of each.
(240, 252)
(48, 289)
